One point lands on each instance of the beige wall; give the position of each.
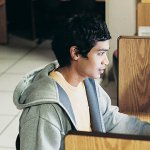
(121, 20)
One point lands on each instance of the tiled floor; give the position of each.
(18, 57)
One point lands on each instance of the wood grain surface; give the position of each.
(134, 74)
(143, 14)
(76, 142)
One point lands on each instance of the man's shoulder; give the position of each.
(49, 112)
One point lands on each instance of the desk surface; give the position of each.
(100, 141)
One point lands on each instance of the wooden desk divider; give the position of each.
(101, 141)
(143, 19)
(3, 23)
(143, 14)
(134, 74)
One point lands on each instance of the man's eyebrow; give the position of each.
(103, 49)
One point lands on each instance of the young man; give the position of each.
(57, 99)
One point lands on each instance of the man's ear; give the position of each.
(74, 53)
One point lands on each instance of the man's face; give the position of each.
(97, 60)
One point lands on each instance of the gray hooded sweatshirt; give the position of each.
(47, 114)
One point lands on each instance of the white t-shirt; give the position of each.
(78, 99)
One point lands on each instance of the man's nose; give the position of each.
(105, 60)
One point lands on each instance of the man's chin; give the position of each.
(99, 76)
(96, 76)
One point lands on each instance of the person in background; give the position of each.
(115, 65)
(64, 96)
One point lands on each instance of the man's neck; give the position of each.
(70, 75)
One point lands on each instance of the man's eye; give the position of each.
(101, 53)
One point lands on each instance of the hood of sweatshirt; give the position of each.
(35, 87)
(38, 88)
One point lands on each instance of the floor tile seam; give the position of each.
(13, 73)
(9, 123)
(4, 58)
(2, 91)
(7, 147)
(19, 60)
(7, 91)
(7, 115)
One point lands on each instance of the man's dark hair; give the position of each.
(82, 31)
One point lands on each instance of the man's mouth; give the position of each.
(101, 71)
